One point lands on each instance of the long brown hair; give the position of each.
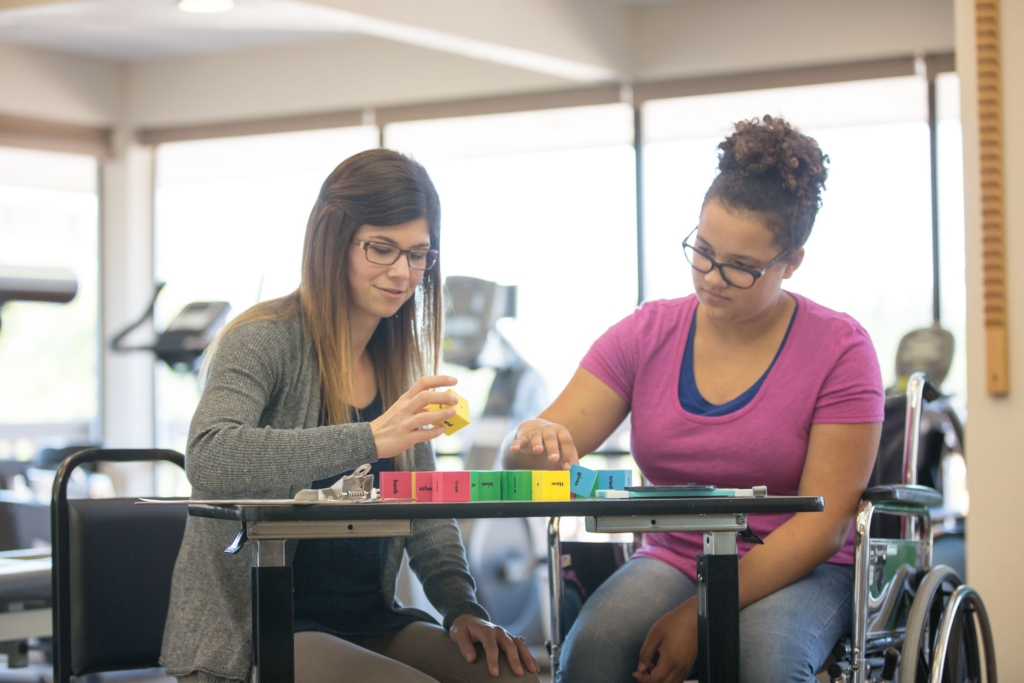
(378, 187)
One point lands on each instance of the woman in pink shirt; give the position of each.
(740, 384)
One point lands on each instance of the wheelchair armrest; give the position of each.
(910, 494)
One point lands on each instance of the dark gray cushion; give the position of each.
(122, 557)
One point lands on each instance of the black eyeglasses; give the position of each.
(383, 254)
(736, 276)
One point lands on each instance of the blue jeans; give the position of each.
(783, 637)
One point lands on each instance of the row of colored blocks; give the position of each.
(484, 485)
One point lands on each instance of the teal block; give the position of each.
(615, 480)
(582, 481)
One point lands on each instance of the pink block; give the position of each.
(396, 485)
(451, 487)
(424, 487)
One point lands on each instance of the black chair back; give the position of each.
(889, 463)
(112, 566)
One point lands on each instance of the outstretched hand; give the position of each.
(468, 629)
(543, 437)
(409, 422)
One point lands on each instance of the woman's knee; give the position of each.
(787, 635)
(604, 643)
(321, 658)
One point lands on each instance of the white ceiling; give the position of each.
(150, 29)
(137, 30)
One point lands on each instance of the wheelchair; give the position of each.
(912, 622)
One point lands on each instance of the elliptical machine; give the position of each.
(186, 337)
(506, 556)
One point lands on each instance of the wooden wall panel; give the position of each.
(993, 222)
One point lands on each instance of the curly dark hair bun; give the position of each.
(768, 167)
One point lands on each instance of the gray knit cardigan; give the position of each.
(255, 434)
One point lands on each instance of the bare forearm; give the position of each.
(790, 553)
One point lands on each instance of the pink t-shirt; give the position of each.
(827, 372)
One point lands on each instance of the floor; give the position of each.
(41, 674)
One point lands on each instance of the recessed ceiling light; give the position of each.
(205, 6)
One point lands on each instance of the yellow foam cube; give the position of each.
(457, 421)
(551, 485)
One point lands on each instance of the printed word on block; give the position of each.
(484, 485)
(550, 485)
(517, 485)
(396, 485)
(423, 483)
(582, 481)
(451, 487)
(457, 421)
(614, 480)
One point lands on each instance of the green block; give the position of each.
(517, 485)
(484, 485)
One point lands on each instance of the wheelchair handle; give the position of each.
(919, 390)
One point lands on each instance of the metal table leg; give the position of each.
(556, 589)
(273, 644)
(718, 609)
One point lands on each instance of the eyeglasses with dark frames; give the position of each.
(383, 254)
(736, 276)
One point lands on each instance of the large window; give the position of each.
(49, 353)
(546, 201)
(952, 259)
(870, 252)
(229, 219)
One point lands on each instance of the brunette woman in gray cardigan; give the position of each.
(302, 389)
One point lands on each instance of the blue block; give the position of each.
(615, 480)
(582, 481)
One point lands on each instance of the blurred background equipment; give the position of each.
(941, 463)
(22, 283)
(25, 595)
(928, 350)
(473, 341)
(186, 337)
(505, 555)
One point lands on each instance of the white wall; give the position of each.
(586, 32)
(58, 87)
(300, 79)
(995, 456)
(698, 38)
(654, 41)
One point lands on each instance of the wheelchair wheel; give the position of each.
(942, 644)
(963, 621)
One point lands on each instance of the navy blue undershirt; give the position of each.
(337, 580)
(689, 395)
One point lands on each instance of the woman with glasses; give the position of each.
(738, 385)
(303, 389)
